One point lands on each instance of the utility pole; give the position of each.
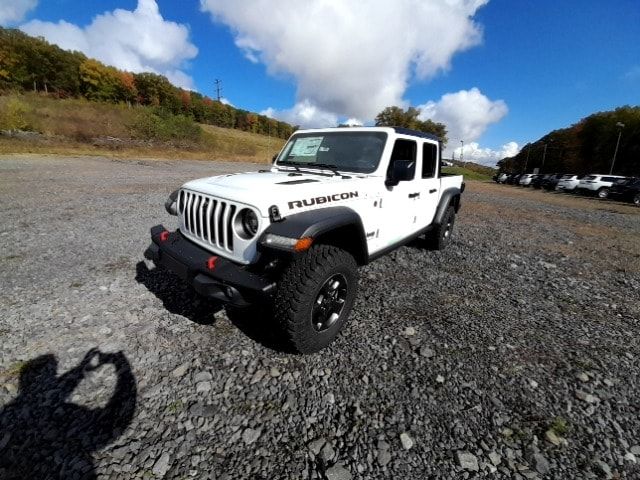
(526, 162)
(462, 151)
(218, 83)
(620, 125)
(544, 155)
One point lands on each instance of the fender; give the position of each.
(451, 196)
(322, 223)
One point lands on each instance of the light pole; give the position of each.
(526, 162)
(461, 150)
(620, 125)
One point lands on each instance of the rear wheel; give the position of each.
(603, 192)
(636, 200)
(315, 296)
(440, 236)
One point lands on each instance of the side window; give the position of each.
(429, 160)
(403, 150)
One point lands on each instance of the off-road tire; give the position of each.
(440, 236)
(636, 200)
(299, 289)
(603, 192)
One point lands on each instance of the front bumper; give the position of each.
(227, 282)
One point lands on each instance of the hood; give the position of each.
(286, 189)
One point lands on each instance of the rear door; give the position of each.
(428, 181)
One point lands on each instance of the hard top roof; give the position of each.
(398, 130)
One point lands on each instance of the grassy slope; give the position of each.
(468, 174)
(71, 127)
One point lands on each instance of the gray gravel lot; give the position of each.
(513, 354)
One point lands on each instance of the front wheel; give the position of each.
(315, 296)
(440, 236)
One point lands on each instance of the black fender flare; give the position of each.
(451, 196)
(321, 223)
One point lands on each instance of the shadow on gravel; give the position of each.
(258, 324)
(44, 435)
(176, 296)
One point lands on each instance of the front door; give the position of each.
(398, 210)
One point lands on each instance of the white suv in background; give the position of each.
(525, 180)
(568, 183)
(598, 184)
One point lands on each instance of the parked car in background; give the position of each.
(502, 178)
(597, 184)
(538, 180)
(627, 190)
(516, 179)
(568, 183)
(525, 179)
(551, 182)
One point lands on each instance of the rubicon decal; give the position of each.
(336, 197)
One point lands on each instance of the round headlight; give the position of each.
(249, 221)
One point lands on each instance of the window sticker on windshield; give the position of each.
(306, 147)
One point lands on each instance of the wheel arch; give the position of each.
(338, 226)
(451, 196)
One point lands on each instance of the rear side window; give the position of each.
(590, 177)
(429, 160)
(609, 179)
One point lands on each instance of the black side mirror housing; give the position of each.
(401, 171)
(273, 159)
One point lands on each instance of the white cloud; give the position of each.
(353, 122)
(12, 11)
(304, 114)
(138, 40)
(473, 152)
(467, 113)
(351, 59)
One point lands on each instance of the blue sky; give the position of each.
(499, 73)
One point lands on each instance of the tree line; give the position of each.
(32, 64)
(586, 147)
(398, 117)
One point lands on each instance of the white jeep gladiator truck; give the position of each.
(292, 236)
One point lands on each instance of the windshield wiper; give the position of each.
(328, 166)
(292, 164)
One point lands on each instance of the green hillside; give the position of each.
(585, 147)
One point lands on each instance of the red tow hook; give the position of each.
(211, 262)
(164, 236)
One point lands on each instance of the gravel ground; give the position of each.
(513, 354)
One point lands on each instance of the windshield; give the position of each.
(348, 151)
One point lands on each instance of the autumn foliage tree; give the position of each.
(32, 64)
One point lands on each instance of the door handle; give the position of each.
(433, 190)
(414, 195)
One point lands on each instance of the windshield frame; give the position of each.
(282, 161)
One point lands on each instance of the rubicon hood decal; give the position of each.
(336, 197)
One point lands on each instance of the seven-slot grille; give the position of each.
(208, 219)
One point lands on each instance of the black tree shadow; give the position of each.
(256, 321)
(44, 435)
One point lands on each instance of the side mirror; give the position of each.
(273, 159)
(401, 171)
